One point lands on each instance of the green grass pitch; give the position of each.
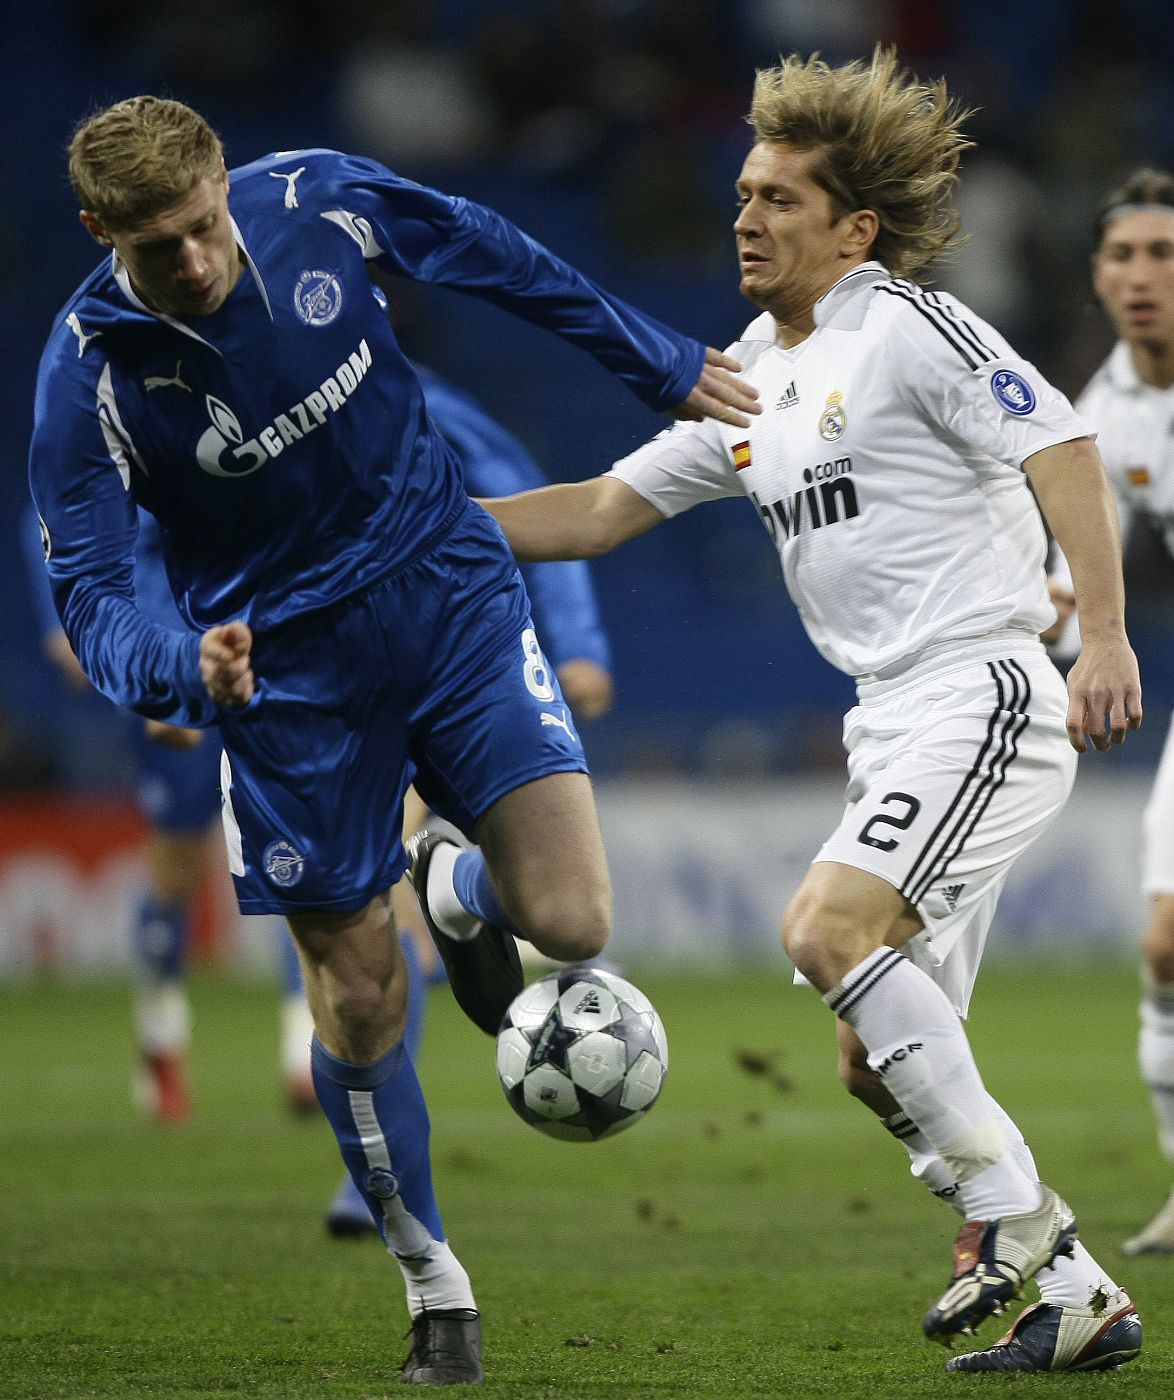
(758, 1234)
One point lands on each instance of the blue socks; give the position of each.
(161, 939)
(378, 1114)
(474, 889)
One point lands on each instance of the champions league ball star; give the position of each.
(581, 1054)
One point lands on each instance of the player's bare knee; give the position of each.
(365, 1014)
(826, 935)
(823, 941)
(570, 930)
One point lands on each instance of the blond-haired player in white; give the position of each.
(891, 467)
(1130, 402)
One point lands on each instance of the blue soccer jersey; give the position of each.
(151, 588)
(281, 441)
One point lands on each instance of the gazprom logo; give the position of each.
(224, 432)
(223, 449)
(1013, 392)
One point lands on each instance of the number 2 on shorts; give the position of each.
(902, 822)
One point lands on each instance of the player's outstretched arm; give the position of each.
(719, 394)
(575, 520)
(1074, 494)
(226, 664)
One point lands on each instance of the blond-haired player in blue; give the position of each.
(355, 623)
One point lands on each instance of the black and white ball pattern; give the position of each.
(581, 1054)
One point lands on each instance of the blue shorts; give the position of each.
(432, 676)
(178, 789)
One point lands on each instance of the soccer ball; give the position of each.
(581, 1054)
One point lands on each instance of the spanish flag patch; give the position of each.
(741, 455)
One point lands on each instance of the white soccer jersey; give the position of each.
(1135, 433)
(886, 466)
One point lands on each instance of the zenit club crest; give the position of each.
(382, 1184)
(282, 863)
(317, 297)
(833, 421)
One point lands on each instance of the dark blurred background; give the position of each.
(611, 130)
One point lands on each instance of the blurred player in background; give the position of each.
(889, 468)
(568, 622)
(1130, 402)
(362, 624)
(179, 798)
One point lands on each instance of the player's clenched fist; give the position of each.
(226, 665)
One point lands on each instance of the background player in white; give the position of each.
(889, 467)
(355, 617)
(1130, 402)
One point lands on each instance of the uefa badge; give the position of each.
(317, 297)
(833, 420)
(282, 864)
(1013, 392)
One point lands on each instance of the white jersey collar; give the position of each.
(122, 277)
(843, 304)
(848, 292)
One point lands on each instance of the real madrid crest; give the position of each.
(833, 420)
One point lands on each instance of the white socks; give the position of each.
(163, 1018)
(435, 1281)
(297, 1030)
(917, 1045)
(1155, 1053)
(1069, 1282)
(448, 913)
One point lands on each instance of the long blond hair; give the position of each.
(138, 157)
(888, 142)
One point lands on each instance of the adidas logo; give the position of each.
(789, 397)
(950, 894)
(590, 1002)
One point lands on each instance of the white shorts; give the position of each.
(949, 779)
(1157, 861)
